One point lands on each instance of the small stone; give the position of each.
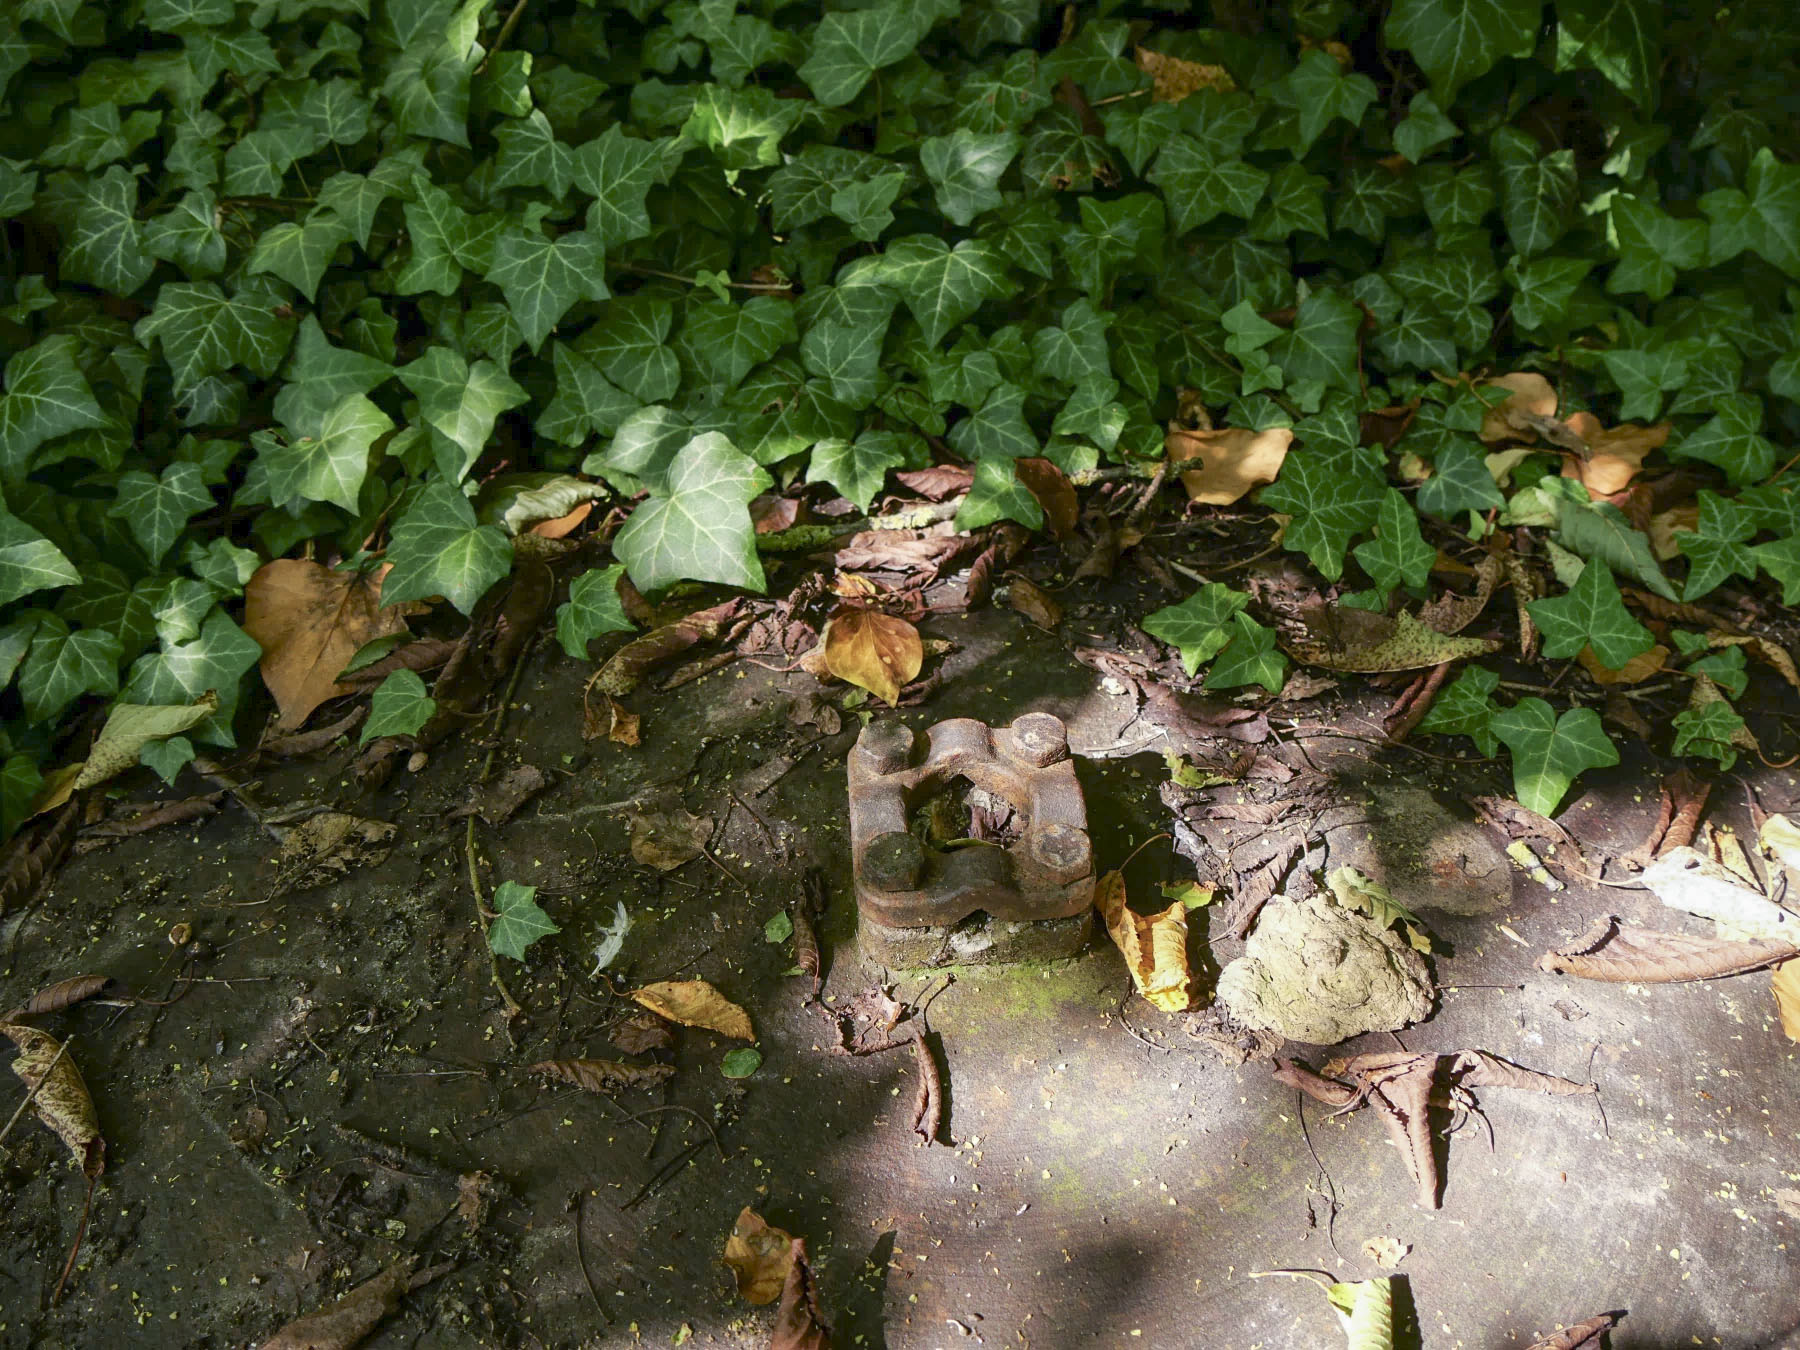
(1315, 972)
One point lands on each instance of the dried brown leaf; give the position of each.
(1051, 486)
(1408, 645)
(799, 1325)
(626, 668)
(1451, 612)
(668, 838)
(564, 525)
(497, 802)
(1173, 79)
(1763, 649)
(1477, 1068)
(695, 1003)
(874, 651)
(350, 1319)
(642, 1033)
(760, 1257)
(928, 1098)
(938, 483)
(310, 620)
(1617, 954)
(62, 1102)
(1154, 945)
(1528, 394)
(1232, 460)
(326, 846)
(602, 1075)
(1635, 671)
(1034, 602)
(1610, 457)
(65, 994)
(475, 1190)
(1588, 1335)
(1321, 1089)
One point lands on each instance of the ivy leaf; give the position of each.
(1622, 39)
(1550, 752)
(356, 197)
(158, 508)
(1398, 553)
(1322, 343)
(1453, 286)
(1591, 614)
(1543, 288)
(106, 247)
(1323, 92)
(216, 658)
(204, 333)
(299, 253)
(1425, 128)
(1709, 730)
(1732, 440)
(1198, 184)
(848, 356)
(518, 920)
(1332, 498)
(460, 403)
(1295, 203)
(699, 527)
(997, 429)
(1370, 195)
(800, 191)
(729, 340)
(1717, 548)
(28, 561)
(593, 608)
(965, 168)
(531, 156)
(46, 396)
(1781, 560)
(1642, 377)
(319, 376)
(1249, 658)
(743, 127)
(858, 468)
(1654, 247)
(850, 46)
(630, 345)
(1459, 482)
(618, 171)
(541, 277)
(61, 666)
(188, 233)
(328, 466)
(1456, 40)
(586, 401)
(997, 494)
(1466, 707)
(941, 285)
(866, 207)
(398, 707)
(1198, 627)
(439, 548)
(1537, 190)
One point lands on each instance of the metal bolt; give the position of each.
(1064, 850)
(893, 861)
(886, 747)
(1041, 739)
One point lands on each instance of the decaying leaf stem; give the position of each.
(482, 912)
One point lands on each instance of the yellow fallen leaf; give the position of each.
(872, 650)
(695, 1003)
(760, 1256)
(1528, 394)
(1785, 981)
(1635, 671)
(1174, 79)
(1154, 945)
(1615, 455)
(1231, 460)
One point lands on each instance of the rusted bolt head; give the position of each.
(1064, 851)
(886, 747)
(1041, 739)
(893, 861)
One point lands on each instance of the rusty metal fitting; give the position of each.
(1048, 873)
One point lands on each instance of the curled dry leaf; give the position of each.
(62, 1102)
(310, 620)
(928, 1098)
(131, 726)
(626, 668)
(1034, 602)
(562, 526)
(1154, 945)
(64, 994)
(668, 839)
(350, 1319)
(1612, 456)
(695, 1003)
(1771, 654)
(1230, 461)
(1588, 1335)
(799, 1325)
(1451, 612)
(1529, 395)
(872, 650)
(602, 1075)
(1617, 954)
(938, 483)
(642, 1033)
(1635, 671)
(326, 846)
(760, 1257)
(497, 802)
(1386, 1252)
(1051, 486)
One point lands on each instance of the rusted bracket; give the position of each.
(900, 883)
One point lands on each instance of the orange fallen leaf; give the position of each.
(695, 1003)
(1034, 602)
(1635, 671)
(1051, 486)
(760, 1256)
(872, 650)
(562, 525)
(310, 620)
(853, 586)
(1614, 455)
(1154, 945)
(1528, 394)
(1784, 980)
(1174, 79)
(1232, 460)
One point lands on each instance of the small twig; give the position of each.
(581, 1259)
(665, 1175)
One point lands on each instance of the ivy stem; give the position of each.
(641, 270)
(501, 39)
(513, 1008)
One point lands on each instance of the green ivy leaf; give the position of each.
(1398, 554)
(1717, 548)
(1249, 658)
(1295, 203)
(320, 377)
(1332, 498)
(1322, 343)
(1198, 184)
(1454, 287)
(1537, 190)
(399, 707)
(203, 332)
(965, 168)
(1200, 626)
(28, 561)
(728, 340)
(1622, 39)
(1654, 247)
(698, 528)
(942, 285)
(1732, 440)
(158, 508)
(518, 922)
(1543, 288)
(62, 665)
(460, 404)
(1323, 91)
(439, 548)
(188, 233)
(629, 342)
(593, 608)
(586, 401)
(328, 466)
(542, 277)
(1550, 752)
(216, 658)
(1781, 560)
(867, 207)
(997, 494)
(1456, 40)
(46, 396)
(858, 468)
(997, 429)
(1591, 614)
(1600, 530)
(1459, 482)
(618, 171)
(1466, 707)
(1425, 128)
(106, 246)
(1709, 730)
(849, 46)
